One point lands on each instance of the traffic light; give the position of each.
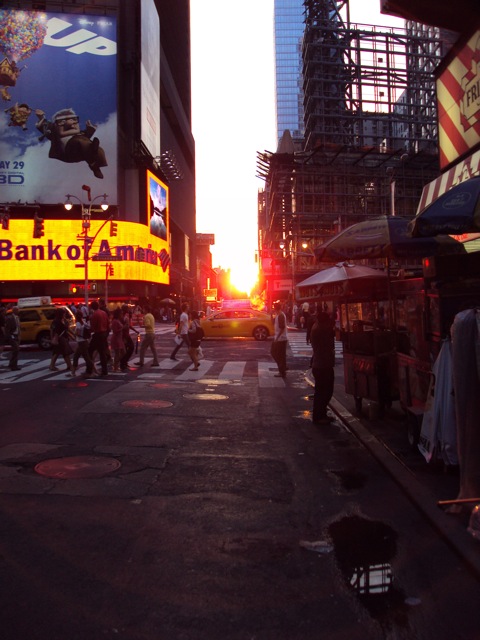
(113, 228)
(38, 223)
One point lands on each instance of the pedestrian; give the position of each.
(2, 328)
(149, 338)
(12, 336)
(59, 333)
(280, 341)
(116, 341)
(182, 331)
(322, 338)
(127, 338)
(195, 335)
(83, 333)
(100, 327)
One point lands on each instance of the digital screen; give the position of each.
(59, 254)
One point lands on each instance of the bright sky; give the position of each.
(233, 108)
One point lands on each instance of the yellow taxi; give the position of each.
(238, 323)
(35, 320)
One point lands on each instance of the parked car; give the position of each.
(238, 323)
(35, 323)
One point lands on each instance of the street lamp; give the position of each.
(86, 217)
(294, 253)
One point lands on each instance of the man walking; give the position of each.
(100, 326)
(12, 336)
(280, 341)
(182, 331)
(149, 338)
(322, 338)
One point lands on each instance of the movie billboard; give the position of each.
(58, 124)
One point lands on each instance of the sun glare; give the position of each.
(244, 278)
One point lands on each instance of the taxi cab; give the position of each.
(238, 323)
(36, 318)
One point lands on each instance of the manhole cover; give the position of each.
(72, 384)
(205, 396)
(214, 381)
(77, 467)
(147, 404)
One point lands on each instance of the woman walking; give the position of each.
(59, 331)
(82, 332)
(116, 341)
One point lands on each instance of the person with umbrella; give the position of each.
(323, 362)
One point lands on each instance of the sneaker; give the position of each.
(138, 364)
(155, 364)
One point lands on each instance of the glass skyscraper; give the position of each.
(289, 28)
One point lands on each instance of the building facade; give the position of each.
(289, 27)
(369, 145)
(97, 109)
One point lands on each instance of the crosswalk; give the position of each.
(300, 349)
(233, 371)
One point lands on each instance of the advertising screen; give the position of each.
(157, 206)
(58, 255)
(58, 121)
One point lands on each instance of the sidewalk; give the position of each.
(422, 483)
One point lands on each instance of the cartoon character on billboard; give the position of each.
(68, 142)
(21, 34)
(158, 207)
(19, 115)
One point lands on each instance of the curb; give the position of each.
(457, 537)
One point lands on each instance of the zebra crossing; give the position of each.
(300, 349)
(234, 371)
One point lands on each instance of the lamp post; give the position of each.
(293, 254)
(86, 218)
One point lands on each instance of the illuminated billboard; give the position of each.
(58, 124)
(157, 207)
(150, 77)
(58, 255)
(458, 97)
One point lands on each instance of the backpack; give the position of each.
(199, 333)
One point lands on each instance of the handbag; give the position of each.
(55, 339)
(178, 339)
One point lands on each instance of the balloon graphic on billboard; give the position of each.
(21, 34)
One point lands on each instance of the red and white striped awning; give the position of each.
(461, 172)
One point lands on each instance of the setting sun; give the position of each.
(244, 278)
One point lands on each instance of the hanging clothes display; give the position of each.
(466, 377)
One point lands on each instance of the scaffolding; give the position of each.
(370, 137)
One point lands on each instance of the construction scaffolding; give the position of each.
(370, 138)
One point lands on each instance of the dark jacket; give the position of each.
(322, 338)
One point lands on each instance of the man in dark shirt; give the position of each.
(323, 362)
(99, 324)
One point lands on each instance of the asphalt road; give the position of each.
(168, 504)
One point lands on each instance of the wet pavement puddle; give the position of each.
(364, 550)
